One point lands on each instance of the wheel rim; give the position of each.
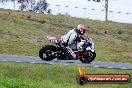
(47, 53)
(90, 55)
(87, 59)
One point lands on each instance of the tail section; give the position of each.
(53, 39)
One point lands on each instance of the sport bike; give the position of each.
(57, 50)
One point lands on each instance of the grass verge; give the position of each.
(25, 75)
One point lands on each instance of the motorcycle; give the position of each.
(50, 52)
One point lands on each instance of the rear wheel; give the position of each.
(47, 52)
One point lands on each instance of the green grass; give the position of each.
(24, 33)
(25, 75)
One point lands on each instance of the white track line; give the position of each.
(68, 64)
(3, 60)
(18, 61)
(32, 62)
(113, 62)
(50, 63)
(109, 67)
(123, 68)
(95, 66)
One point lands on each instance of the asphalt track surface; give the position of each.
(30, 59)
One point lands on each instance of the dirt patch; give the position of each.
(127, 55)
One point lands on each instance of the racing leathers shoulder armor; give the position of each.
(70, 38)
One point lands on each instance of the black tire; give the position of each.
(86, 59)
(83, 60)
(46, 50)
(94, 55)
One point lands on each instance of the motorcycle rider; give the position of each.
(72, 37)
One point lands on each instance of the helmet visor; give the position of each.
(82, 30)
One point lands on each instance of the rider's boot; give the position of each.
(72, 55)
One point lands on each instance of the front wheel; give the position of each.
(47, 52)
(88, 58)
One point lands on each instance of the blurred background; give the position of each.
(115, 10)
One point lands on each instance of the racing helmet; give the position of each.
(80, 29)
